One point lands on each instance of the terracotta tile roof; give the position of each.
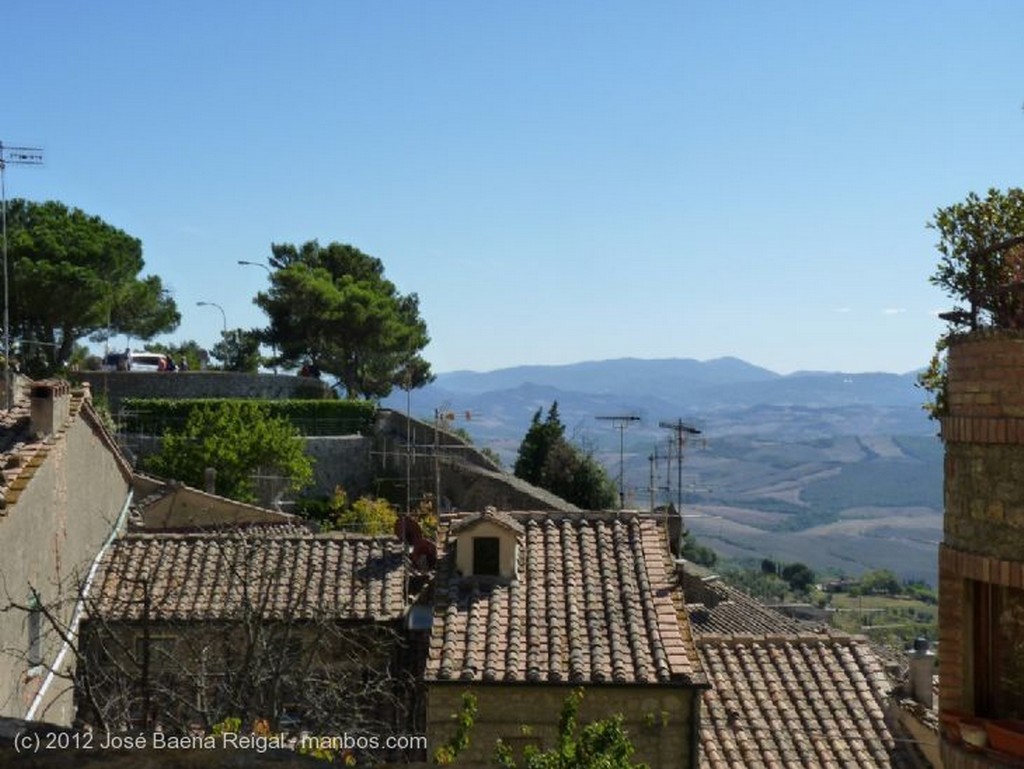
(594, 602)
(715, 607)
(158, 501)
(783, 693)
(490, 514)
(217, 576)
(800, 701)
(22, 452)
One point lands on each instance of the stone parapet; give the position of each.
(115, 386)
(985, 371)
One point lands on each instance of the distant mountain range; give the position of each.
(502, 402)
(723, 382)
(842, 471)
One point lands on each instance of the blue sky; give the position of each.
(557, 181)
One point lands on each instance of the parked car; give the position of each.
(135, 361)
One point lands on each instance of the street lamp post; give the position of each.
(223, 316)
(255, 264)
(30, 156)
(246, 263)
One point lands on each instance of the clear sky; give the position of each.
(558, 181)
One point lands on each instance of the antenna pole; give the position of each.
(620, 422)
(681, 429)
(23, 156)
(652, 460)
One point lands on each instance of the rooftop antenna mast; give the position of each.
(621, 422)
(19, 156)
(682, 430)
(652, 460)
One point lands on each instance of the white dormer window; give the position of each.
(486, 545)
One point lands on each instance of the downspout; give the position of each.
(695, 740)
(76, 617)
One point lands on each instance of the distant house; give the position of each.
(258, 622)
(64, 494)
(172, 506)
(784, 693)
(530, 606)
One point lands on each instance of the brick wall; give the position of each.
(983, 525)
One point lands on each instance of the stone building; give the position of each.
(531, 606)
(65, 494)
(262, 622)
(981, 558)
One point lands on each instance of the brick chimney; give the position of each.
(50, 407)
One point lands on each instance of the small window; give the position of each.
(998, 652)
(485, 556)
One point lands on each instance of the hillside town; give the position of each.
(212, 560)
(511, 386)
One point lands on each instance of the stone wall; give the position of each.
(345, 461)
(660, 720)
(435, 460)
(115, 386)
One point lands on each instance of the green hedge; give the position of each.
(154, 416)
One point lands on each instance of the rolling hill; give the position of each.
(841, 471)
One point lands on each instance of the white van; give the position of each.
(135, 361)
(148, 361)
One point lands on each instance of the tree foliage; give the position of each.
(366, 515)
(799, 576)
(332, 307)
(980, 264)
(238, 350)
(189, 351)
(548, 460)
(460, 739)
(75, 276)
(696, 552)
(878, 582)
(240, 440)
(600, 744)
(981, 267)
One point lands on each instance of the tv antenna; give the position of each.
(653, 489)
(682, 431)
(19, 156)
(621, 422)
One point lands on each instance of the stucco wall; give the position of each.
(659, 719)
(507, 547)
(50, 536)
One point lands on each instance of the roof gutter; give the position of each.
(76, 617)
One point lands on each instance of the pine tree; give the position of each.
(547, 459)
